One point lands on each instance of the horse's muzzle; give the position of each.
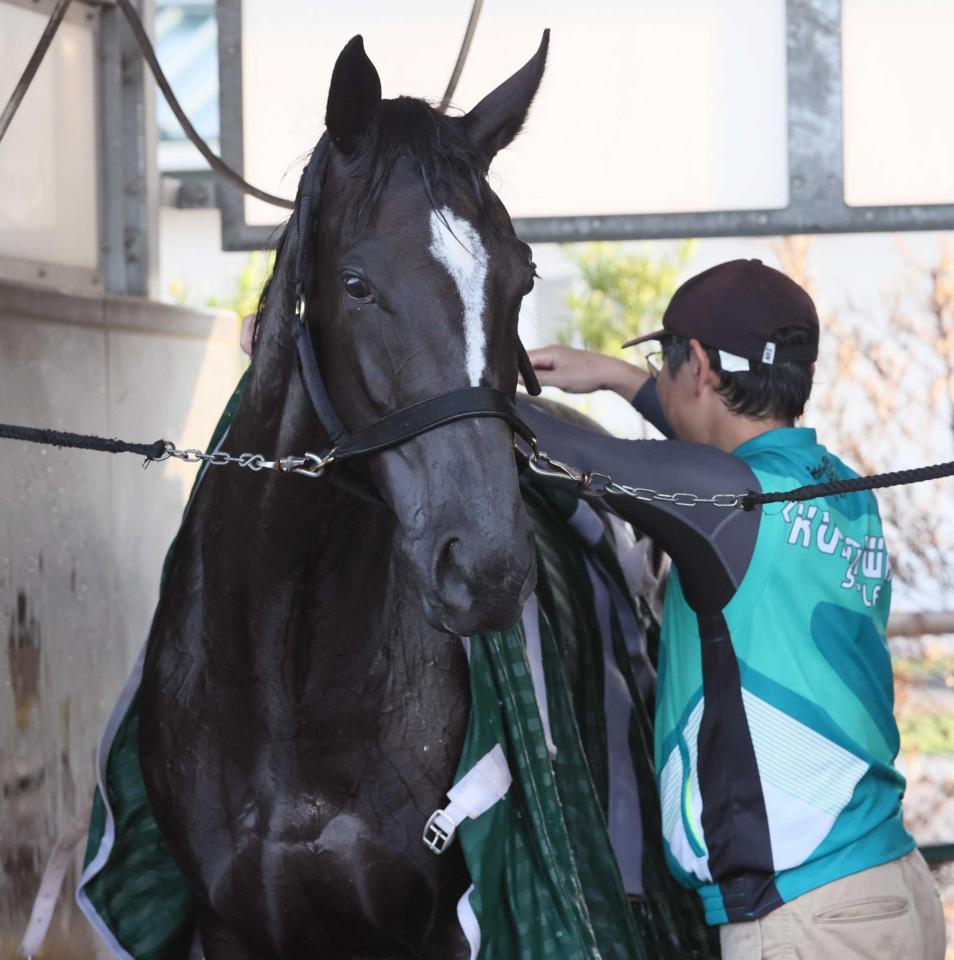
(479, 591)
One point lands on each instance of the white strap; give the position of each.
(733, 364)
(474, 794)
(531, 632)
(56, 867)
(586, 522)
(469, 923)
(482, 786)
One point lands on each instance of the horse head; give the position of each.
(414, 289)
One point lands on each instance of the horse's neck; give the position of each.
(288, 541)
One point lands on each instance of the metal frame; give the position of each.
(129, 180)
(236, 233)
(125, 160)
(815, 156)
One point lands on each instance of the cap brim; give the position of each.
(656, 335)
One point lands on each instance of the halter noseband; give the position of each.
(407, 422)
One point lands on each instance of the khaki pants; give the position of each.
(891, 912)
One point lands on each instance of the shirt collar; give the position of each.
(782, 438)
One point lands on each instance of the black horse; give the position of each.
(304, 696)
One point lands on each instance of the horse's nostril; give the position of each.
(479, 585)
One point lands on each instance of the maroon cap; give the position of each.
(737, 307)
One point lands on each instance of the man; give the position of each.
(775, 738)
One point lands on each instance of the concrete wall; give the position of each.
(82, 539)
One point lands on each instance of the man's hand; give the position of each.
(583, 371)
(247, 340)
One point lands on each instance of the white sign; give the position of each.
(644, 107)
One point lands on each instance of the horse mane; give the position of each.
(409, 128)
(263, 300)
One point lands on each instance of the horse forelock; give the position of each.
(450, 166)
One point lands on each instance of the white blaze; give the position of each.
(460, 250)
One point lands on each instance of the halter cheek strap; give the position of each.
(410, 421)
(309, 194)
(525, 367)
(311, 375)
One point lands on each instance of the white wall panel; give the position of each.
(899, 122)
(48, 158)
(645, 107)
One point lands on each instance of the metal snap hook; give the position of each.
(545, 466)
(169, 449)
(317, 464)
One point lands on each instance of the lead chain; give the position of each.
(596, 484)
(310, 465)
(592, 484)
(679, 499)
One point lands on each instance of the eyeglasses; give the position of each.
(656, 360)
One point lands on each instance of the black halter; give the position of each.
(412, 420)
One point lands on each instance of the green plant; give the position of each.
(622, 293)
(247, 287)
(927, 733)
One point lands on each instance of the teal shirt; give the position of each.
(807, 629)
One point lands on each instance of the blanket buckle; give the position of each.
(439, 831)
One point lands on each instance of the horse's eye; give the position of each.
(356, 287)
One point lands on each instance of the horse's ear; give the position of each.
(353, 97)
(497, 119)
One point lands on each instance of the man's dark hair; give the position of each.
(776, 391)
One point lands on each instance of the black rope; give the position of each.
(897, 478)
(56, 438)
(149, 55)
(36, 58)
(158, 450)
(461, 56)
(217, 164)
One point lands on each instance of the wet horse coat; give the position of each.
(303, 698)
